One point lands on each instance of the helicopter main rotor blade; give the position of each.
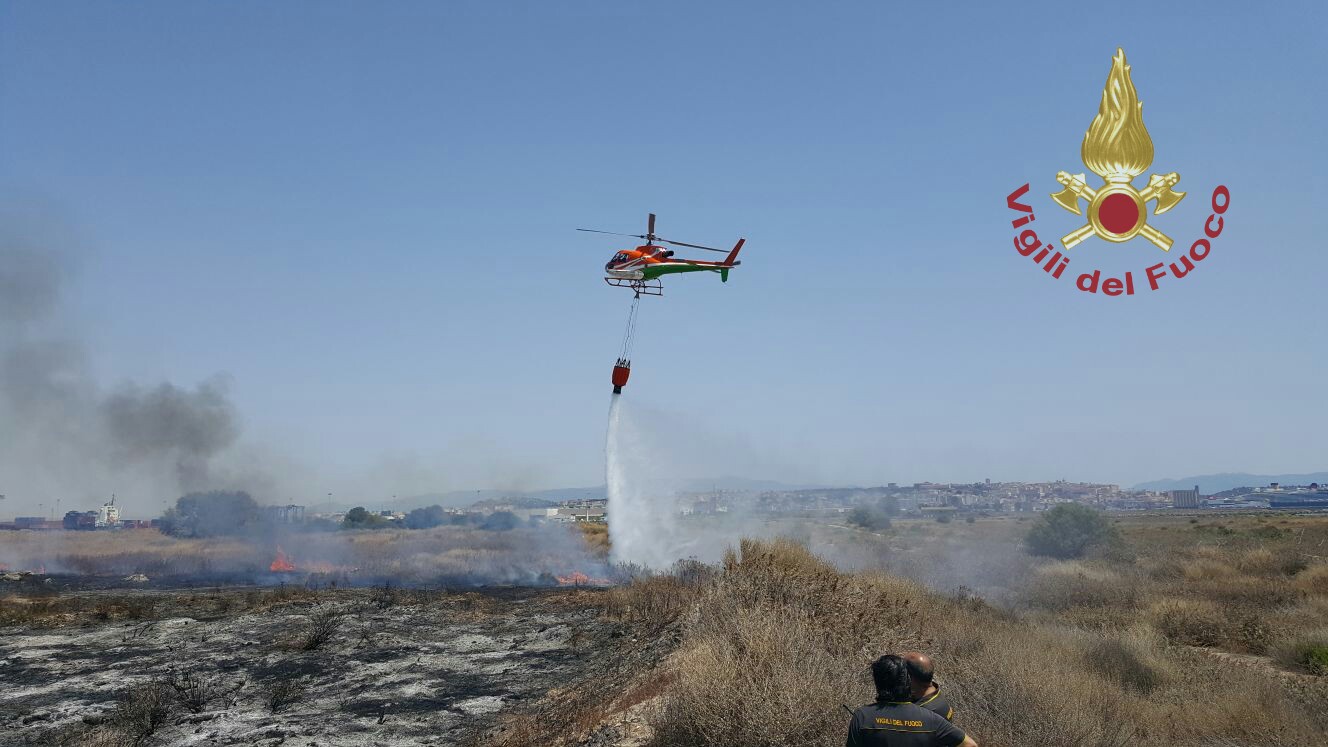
(650, 228)
(611, 233)
(692, 246)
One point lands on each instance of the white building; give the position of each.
(108, 515)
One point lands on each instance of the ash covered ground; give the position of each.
(287, 665)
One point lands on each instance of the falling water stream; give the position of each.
(643, 524)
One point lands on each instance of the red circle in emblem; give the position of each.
(1118, 213)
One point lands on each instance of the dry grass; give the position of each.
(1157, 642)
(442, 555)
(121, 553)
(780, 639)
(764, 659)
(54, 610)
(1190, 622)
(596, 536)
(1313, 580)
(658, 599)
(1060, 587)
(1307, 652)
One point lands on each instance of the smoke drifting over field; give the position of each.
(540, 555)
(67, 436)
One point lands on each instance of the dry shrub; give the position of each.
(385, 596)
(1018, 685)
(1061, 586)
(1247, 593)
(658, 599)
(141, 711)
(1205, 569)
(767, 682)
(1313, 580)
(323, 626)
(1290, 564)
(780, 641)
(282, 693)
(1189, 621)
(1260, 561)
(1165, 568)
(1306, 653)
(1128, 661)
(192, 690)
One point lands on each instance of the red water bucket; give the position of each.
(620, 374)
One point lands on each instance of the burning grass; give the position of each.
(448, 555)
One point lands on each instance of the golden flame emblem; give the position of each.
(1117, 148)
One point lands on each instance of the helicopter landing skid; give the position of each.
(640, 287)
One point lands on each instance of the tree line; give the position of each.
(222, 513)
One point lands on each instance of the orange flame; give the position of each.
(577, 578)
(281, 564)
(1117, 146)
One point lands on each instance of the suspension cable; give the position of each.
(630, 333)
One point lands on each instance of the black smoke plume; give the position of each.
(66, 437)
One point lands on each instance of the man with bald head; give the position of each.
(894, 720)
(926, 692)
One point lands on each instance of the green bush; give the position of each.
(425, 518)
(359, 518)
(869, 517)
(1069, 530)
(215, 514)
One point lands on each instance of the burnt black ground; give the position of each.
(407, 668)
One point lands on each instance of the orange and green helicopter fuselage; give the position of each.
(650, 262)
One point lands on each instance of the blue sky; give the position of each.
(362, 215)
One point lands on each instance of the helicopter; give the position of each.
(641, 268)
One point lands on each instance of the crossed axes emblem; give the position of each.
(1119, 198)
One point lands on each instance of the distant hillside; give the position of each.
(523, 501)
(1209, 484)
(467, 498)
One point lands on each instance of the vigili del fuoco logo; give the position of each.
(1118, 149)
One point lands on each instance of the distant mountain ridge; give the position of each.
(1209, 484)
